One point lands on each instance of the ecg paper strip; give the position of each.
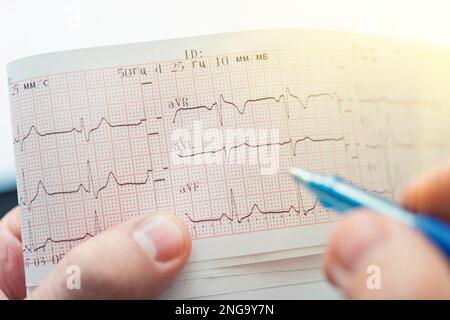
(207, 127)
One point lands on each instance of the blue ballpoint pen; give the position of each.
(335, 193)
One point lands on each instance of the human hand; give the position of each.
(409, 266)
(134, 260)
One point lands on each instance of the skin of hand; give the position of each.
(134, 260)
(138, 258)
(409, 266)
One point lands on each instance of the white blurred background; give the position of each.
(33, 27)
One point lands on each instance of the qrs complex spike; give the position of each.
(283, 98)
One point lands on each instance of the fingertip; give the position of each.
(356, 235)
(366, 246)
(429, 192)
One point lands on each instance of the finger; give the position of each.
(12, 275)
(371, 257)
(430, 192)
(135, 260)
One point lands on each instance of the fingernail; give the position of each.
(355, 246)
(160, 237)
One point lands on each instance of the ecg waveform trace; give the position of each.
(291, 142)
(32, 248)
(90, 187)
(49, 240)
(233, 216)
(86, 133)
(255, 208)
(80, 130)
(241, 110)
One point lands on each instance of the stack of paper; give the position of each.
(207, 128)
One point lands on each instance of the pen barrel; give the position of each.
(436, 230)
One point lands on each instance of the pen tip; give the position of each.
(301, 174)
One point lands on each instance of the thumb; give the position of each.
(372, 257)
(135, 260)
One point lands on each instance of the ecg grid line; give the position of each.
(156, 122)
